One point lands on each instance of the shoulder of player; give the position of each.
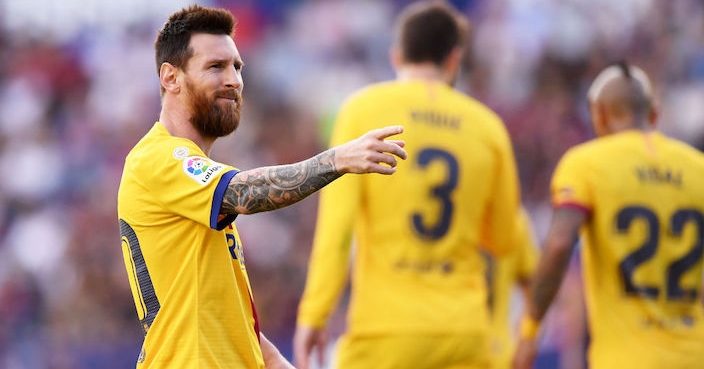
(597, 149)
(584, 152)
(383, 90)
(683, 147)
(480, 115)
(156, 151)
(394, 88)
(370, 92)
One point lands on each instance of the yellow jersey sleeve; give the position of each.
(329, 261)
(570, 185)
(196, 184)
(527, 260)
(498, 236)
(504, 274)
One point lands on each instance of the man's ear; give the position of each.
(598, 113)
(395, 57)
(454, 60)
(453, 65)
(168, 77)
(653, 116)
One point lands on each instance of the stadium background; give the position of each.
(78, 89)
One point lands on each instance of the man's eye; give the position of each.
(215, 66)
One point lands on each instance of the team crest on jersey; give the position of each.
(201, 169)
(566, 192)
(180, 152)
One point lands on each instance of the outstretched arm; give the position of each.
(269, 188)
(562, 236)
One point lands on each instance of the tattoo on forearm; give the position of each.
(270, 188)
(548, 281)
(544, 292)
(558, 248)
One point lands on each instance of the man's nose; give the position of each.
(233, 78)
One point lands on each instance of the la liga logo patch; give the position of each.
(197, 166)
(201, 169)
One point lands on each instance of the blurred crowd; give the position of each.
(78, 88)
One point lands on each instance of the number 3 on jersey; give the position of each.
(649, 248)
(441, 192)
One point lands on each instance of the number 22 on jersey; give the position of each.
(651, 247)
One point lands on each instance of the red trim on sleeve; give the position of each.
(574, 205)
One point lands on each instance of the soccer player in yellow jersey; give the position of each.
(504, 274)
(176, 206)
(636, 195)
(418, 295)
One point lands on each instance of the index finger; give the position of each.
(396, 148)
(384, 132)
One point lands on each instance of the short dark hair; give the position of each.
(428, 31)
(172, 42)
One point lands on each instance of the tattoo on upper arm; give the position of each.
(269, 188)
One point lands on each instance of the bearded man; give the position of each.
(177, 206)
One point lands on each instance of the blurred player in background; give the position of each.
(418, 290)
(503, 275)
(637, 197)
(176, 206)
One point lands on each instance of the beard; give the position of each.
(211, 119)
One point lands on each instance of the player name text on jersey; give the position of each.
(656, 175)
(436, 119)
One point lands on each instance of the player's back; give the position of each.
(643, 250)
(418, 265)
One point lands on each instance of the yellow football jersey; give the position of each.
(185, 263)
(643, 245)
(503, 275)
(418, 266)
